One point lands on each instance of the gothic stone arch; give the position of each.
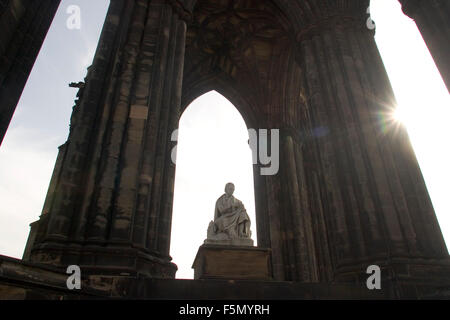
(347, 195)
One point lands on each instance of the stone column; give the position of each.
(114, 194)
(289, 220)
(432, 19)
(24, 25)
(365, 175)
(297, 225)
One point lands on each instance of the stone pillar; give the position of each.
(289, 216)
(432, 19)
(24, 25)
(112, 204)
(297, 218)
(364, 173)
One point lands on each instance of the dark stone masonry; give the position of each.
(343, 200)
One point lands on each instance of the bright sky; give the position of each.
(205, 161)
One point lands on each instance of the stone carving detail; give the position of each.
(231, 225)
(242, 34)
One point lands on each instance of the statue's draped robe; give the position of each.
(229, 216)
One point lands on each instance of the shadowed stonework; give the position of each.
(347, 198)
(24, 25)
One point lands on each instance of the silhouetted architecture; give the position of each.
(432, 20)
(24, 25)
(349, 193)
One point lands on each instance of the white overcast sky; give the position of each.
(212, 146)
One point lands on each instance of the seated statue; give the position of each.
(231, 223)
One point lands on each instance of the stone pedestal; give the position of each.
(232, 263)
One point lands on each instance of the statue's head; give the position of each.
(229, 189)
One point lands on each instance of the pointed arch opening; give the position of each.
(212, 150)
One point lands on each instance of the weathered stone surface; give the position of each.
(19, 281)
(232, 263)
(115, 183)
(231, 242)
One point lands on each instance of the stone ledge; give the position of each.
(23, 280)
(231, 242)
(106, 260)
